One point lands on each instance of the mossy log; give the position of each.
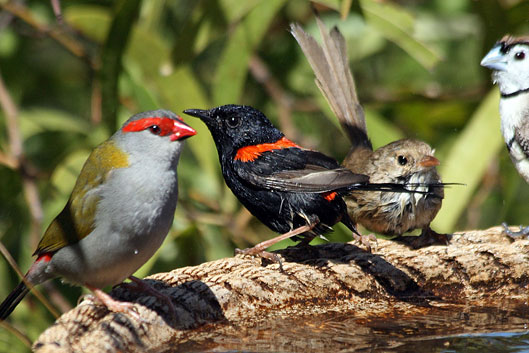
(219, 300)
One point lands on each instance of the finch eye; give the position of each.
(155, 129)
(519, 55)
(233, 121)
(402, 160)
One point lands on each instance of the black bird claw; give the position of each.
(272, 257)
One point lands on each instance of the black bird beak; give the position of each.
(199, 113)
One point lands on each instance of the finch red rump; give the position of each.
(46, 257)
(161, 126)
(251, 153)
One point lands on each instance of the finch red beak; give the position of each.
(429, 161)
(181, 130)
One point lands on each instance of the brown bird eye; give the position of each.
(155, 129)
(519, 55)
(402, 160)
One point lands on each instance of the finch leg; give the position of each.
(259, 249)
(524, 231)
(113, 304)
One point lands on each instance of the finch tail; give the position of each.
(12, 300)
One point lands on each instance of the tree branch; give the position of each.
(220, 300)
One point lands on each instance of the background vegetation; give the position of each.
(67, 83)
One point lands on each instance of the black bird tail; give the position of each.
(388, 187)
(12, 300)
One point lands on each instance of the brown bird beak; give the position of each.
(429, 161)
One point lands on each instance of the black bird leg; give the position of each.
(259, 249)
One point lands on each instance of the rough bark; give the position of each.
(222, 299)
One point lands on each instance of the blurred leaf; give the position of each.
(234, 10)
(398, 25)
(332, 4)
(379, 130)
(471, 153)
(132, 83)
(65, 175)
(345, 7)
(362, 39)
(92, 21)
(151, 14)
(35, 121)
(215, 244)
(177, 88)
(8, 42)
(111, 57)
(233, 66)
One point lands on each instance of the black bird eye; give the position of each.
(233, 122)
(155, 129)
(402, 160)
(519, 55)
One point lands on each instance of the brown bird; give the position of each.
(404, 161)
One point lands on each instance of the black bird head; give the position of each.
(235, 126)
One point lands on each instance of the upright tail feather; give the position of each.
(12, 300)
(334, 79)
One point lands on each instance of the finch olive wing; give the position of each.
(76, 220)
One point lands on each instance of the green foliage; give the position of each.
(417, 70)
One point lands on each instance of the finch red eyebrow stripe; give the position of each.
(251, 153)
(166, 125)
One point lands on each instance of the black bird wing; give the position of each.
(297, 170)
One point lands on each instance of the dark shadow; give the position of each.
(395, 281)
(194, 303)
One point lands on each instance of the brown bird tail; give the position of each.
(334, 79)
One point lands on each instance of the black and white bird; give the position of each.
(509, 60)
